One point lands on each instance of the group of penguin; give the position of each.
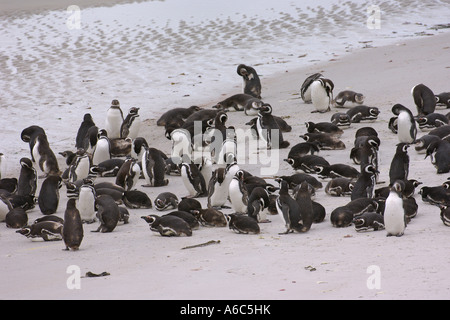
(117, 150)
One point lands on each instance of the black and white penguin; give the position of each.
(136, 199)
(305, 89)
(153, 168)
(218, 188)
(297, 178)
(288, 209)
(322, 94)
(394, 213)
(138, 146)
(27, 182)
(445, 215)
(238, 193)
(131, 124)
(182, 146)
(304, 148)
(102, 150)
(349, 97)
(5, 207)
(399, 168)
(436, 195)
(87, 123)
(306, 163)
(257, 204)
(193, 180)
(9, 184)
(239, 102)
(365, 184)
(341, 119)
(46, 230)
(16, 218)
(362, 113)
(366, 150)
(44, 158)
(128, 174)
(342, 216)
(186, 216)
(188, 204)
(210, 217)
(114, 120)
(108, 213)
(442, 132)
(443, 99)
(369, 221)
(181, 113)
(439, 152)
(324, 127)
(168, 225)
(166, 201)
(424, 99)
(107, 168)
(267, 126)
(252, 83)
(326, 141)
(243, 224)
(48, 199)
(406, 124)
(29, 136)
(305, 205)
(72, 231)
(339, 187)
(432, 120)
(86, 202)
(337, 170)
(80, 166)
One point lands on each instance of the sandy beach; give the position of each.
(325, 263)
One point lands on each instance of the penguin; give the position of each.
(124, 215)
(27, 182)
(297, 178)
(182, 146)
(437, 195)
(362, 112)
(44, 158)
(445, 215)
(16, 218)
(339, 187)
(168, 225)
(305, 89)
(183, 113)
(257, 204)
(267, 126)
(218, 188)
(406, 124)
(284, 126)
(305, 205)
(102, 150)
(442, 132)
(369, 221)
(90, 140)
(131, 124)
(80, 167)
(304, 148)
(108, 213)
(288, 209)
(439, 152)
(2, 165)
(341, 119)
(343, 216)
(443, 99)
(48, 199)
(46, 230)
(408, 191)
(348, 96)
(393, 124)
(193, 180)
(114, 120)
(365, 151)
(364, 185)
(238, 193)
(424, 99)
(432, 120)
(186, 216)
(166, 201)
(210, 217)
(324, 127)
(128, 174)
(138, 146)
(325, 140)
(107, 168)
(336, 170)
(29, 136)
(153, 168)
(306, 163)
(72, 231)
(172, 168)
(86, 202)
(136, 199)
(242, 224)
(50, 217)
(322, 94)
(399, 168)
(394, 213)
(252, 83)
(203, 114)
(206, 169)
(188, 204)
(87, 123)
(240, 102)
(9, 184)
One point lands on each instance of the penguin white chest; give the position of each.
(319, 96)
(82, 170)
(187, 183)
(137, 174)
(86, 204)
(145, 171)
(235, 195)
(113, 123)
(134, 128)
(394, 215)
(404, 128)
(101, 152)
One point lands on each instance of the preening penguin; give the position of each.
(268, 129)
(305, 90)
(238, 193)
(44, 157)
(406, 124)
(154, 168)
(399, 168)
(348, 96)
(364, 185)
(48, 199)
(252, 83)
(394, 212)
(424, 99)
(193, 180)
(83, 130)
(322, 94)
(128, 174)
(131, 124)
(27, 183)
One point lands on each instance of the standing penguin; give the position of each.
(48, 199)
(217, 189)
(406, 124)
(305, 90)
(27, 182)
(394, 213)
(102, 150)
(86, 202)
(108, 213)
(257, 204)
(83, 130)
(238, 193)
(131, 125)
(252, 83)
(114, 120)
(193, 180)
(138, 147)
(288, 209)
(424, 99)
(305, 205)
(399, 168)
(128, 174)
(365, 184)
(153, 168)
(44, 157)
(267, 126)
(72, 231)
(322, 94)
(80, 167)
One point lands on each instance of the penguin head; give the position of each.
(133, 110)
(24, 231)
(150, 219)
(289, 161)
(374, 111)
(359, 98)
(265, 109)
(397, 108)
(398, 186)
(304, 137)
(25, 163)
(402, 147)
(87, 117)
(370, 169)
